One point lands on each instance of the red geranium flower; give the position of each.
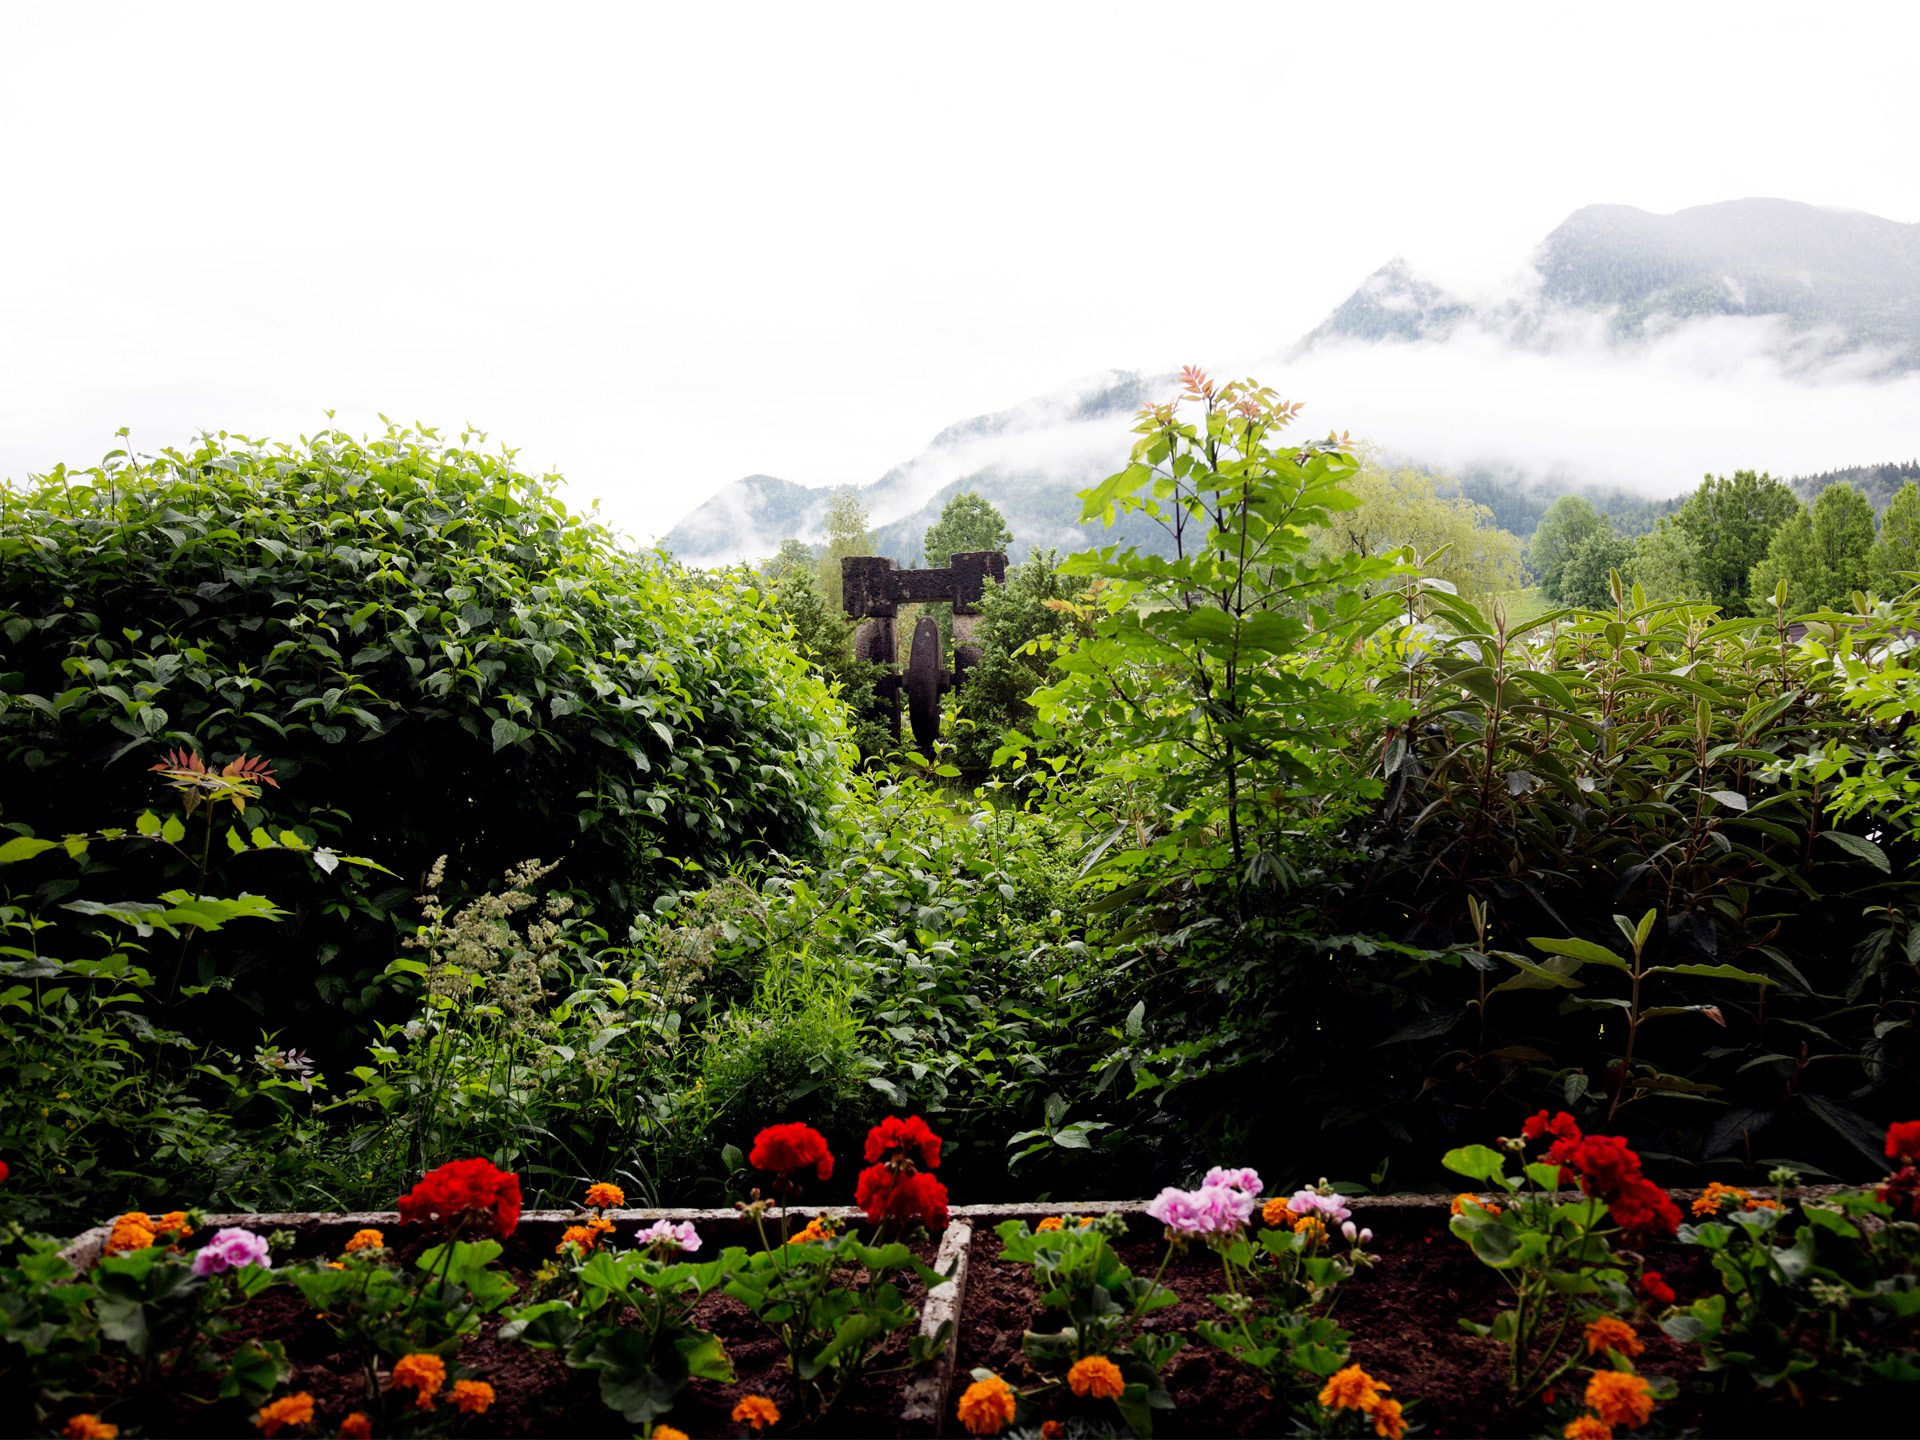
(1655, 1288)
(1902, 1192)
(1561, 1127)
(791, 1147)
(894, 1136)
(4, 1172)
(887, 1194)
(1606, 1166)
(1903, 1140)
(463, 1191)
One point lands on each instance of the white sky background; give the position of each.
(662, 247)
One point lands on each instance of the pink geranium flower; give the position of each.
(230, 1250)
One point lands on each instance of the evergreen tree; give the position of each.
(1823, 554)
(1568, 521)
(967, 523)
(1731, 523)
(1898, 547)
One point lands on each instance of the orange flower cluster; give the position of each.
(1311, 1226)
(89, 1427)
(1059, 1222)
(1461, 1201)
(1052, 1430)
(471, 1397)
(757, 1411)
(288, 1410)
(366, 1240)
(1588, 1427)
(1096, 1376)
(818, 1228)
(987, 1406)
(131, 1231)
(1352, 1388)
(1277, 1212)
(356, 1427)
(667, 1432)
(1720, 1197)
(605, 1197)
(1609, 1333)
(422, 1374)
(585, 1239)
(1620, 1399)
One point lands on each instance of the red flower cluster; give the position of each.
(1605, 1166)
(894, 1135)
(1655, 1288)
(1903, 1141)
(894, 1188)
(791, 1147)
(463, 1191)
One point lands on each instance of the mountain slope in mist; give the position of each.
(1641, 350)
(1839, 281)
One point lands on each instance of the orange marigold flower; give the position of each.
(1587, 1427)
(1311, 1226)
(287, 1410)
(131, 1231)
(1052, 1430)
(1619, 1398)
(1352, 1388)
(667, 1432)
(1716, 1196)
(1052, 1222)
(1387, 1423)
(579, 1237)
(987, 1406)
(758, 1411)
(174, 1223)
(471, 1397)
(818, 1228)
(1611, 1333)
(366, 1240)
(606, 1197)
(1461, 1201)
(89, 1427)
(1096, 1376)
(424, 1374)
(1277, 1212)
(356, 1427)
(1763, 1204)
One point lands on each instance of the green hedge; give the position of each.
(436, 656)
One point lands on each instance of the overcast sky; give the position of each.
(662, 247)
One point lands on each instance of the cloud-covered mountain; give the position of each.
(1633, 352)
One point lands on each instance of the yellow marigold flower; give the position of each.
(89, 1427)
(1587, 1427)
(1311, 1226)
(1619, 1398)
(1277, 1212)
(1611, 1333)
(423, 1374)
(471, 1397)
(1387, 1423)
(1052, 1222)
(757, 1411)
(1714, 1201)
(1465, 1198)
(606, 1197)
(1352, 1388)
(356, 1427)
(287, 1410)
(1096, 1376)
(366, 1240)
(987, 1407)
(667, 1432)
(131, 1231)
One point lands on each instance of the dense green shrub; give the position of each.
(438, 659)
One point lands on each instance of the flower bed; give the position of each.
(1512, 1309)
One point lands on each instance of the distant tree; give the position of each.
(847, 535)
(1568, 521)
(1823, 553)
(1408, 507)
(1586, 572)
(967, 523)
(1732, 522)
(1666, 563)
(794, 554)
(1898, 547)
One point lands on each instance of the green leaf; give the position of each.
(1477, 1162)
(24, 847)
(1710, 972)
(1584, 950)
(1860, 848)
